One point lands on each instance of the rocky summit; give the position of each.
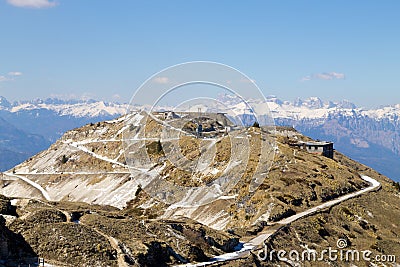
(79, 203)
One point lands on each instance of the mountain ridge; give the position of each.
(97, 214)
(44, 121)
(374, 131)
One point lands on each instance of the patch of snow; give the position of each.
(86, 150)
(265, 217)
(82, 109)
(120, 119)
(32, 183)
(228, 197)
(121, 130)
(242, 248)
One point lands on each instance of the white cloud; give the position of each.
(306, 78)
(10, 76)
(324, 76)
(161, 80)
(32, 3)
(15, 73)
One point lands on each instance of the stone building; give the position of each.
(317, 147)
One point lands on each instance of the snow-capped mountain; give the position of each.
(52, 117)
(314, 107)
(371, 136)
(46, 120)
(84, 195)
(75, 108)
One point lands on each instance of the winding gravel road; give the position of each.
(254, 243)
(32, 183)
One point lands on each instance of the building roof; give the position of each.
(318, 143)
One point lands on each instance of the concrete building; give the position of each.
(317, 147)
(166, 114)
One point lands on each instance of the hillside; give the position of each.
(365, 223)
(17, 145)
(28, 127)
(366, 135)
(77, 204)
(370, 136)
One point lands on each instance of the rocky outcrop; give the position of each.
(5, 206)
(14, 250)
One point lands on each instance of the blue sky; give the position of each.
(105, 49)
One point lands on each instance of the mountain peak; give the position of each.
(314, 102)
(4, 103)
(274, 99)
(346, 104)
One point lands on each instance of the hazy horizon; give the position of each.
(120, 101)
(333, 50)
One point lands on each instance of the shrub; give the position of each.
(64, 159)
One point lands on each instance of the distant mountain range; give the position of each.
(82, 203)
(370, 136)
(27, 127)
